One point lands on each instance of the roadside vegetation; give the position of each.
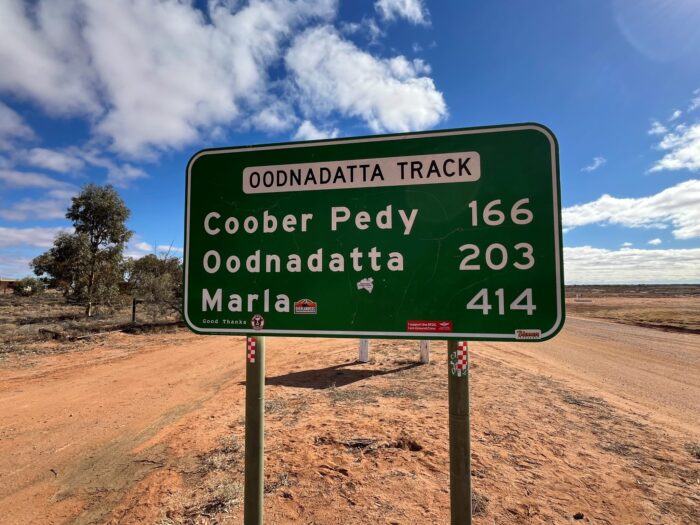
(85, 285)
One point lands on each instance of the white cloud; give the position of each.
(588, 265)
(152, 75)
(118, 174)
(167, 248)
(307, 131)
(69, 161)
(332, 74)
(44, 57)
(14, 266)
(368, 27)
(405, 69)
(275, 116)
(655, 242)
(136, 250)
(683, 146)
(53, 206)
(24, 179)
(35, 237)
(412, 10)
(12, 126)
(675, 115)
(657, 128)
(595, 164)
(695, 102)
(53, 160)
(677, 206)
(626, 244)
(123, 174)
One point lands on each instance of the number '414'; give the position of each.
(481, 302)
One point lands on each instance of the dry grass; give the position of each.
(349, 395)
(674, 317)
(619, 448)
(226, 456)
(45, 323)
(221, 499)
(694, 450)
(283, 480)
(217, 483)
(672, 307)
(479, 503)
(399, 391)
(633, 290)
(583, 401)
(275, 405)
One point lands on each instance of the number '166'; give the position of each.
(492, 216)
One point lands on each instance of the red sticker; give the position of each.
(305, 306)
(429, 326)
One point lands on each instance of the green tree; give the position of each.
(65, 264)
(157, 281)
(88, 265)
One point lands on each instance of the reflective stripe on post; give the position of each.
(250, 346)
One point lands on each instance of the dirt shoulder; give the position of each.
(653, 372)
(72, 421)
(151, 433)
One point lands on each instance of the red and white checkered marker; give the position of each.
(250, 345)
(462, 350)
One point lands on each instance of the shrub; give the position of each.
(29, 286)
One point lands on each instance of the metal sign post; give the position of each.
(460, 446)
(254, 491)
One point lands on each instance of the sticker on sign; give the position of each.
(429, 326)
(445, 234)
(528, 334)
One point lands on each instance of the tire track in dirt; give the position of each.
(69, 428)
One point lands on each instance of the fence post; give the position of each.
(363, 356)
(425, 352)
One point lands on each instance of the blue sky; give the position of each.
(124, 92)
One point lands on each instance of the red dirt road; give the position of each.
(652, 371)
(113, 433)
(70, 421)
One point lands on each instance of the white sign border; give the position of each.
(402, 136)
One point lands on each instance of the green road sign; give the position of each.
(445, 234)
